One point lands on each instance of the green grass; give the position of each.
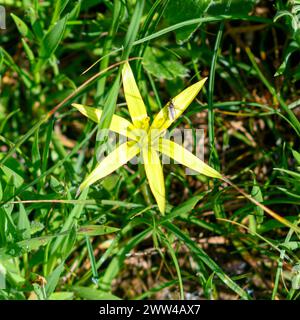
(111, 242)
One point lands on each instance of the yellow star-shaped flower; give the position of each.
(146, 138)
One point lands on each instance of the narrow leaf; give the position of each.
(51, 40)
(22, 27)
(53, 279)
(92, 230)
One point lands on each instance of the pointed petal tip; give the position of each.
(77, 106)
(202, 81)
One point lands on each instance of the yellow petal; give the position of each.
(118, 124)
(185, 157)
(155, 177)
(112, 162)
(169, 113)
(133, 98)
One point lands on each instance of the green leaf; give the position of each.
(73, 15)
(209, 287)
(93, 294)
(133, 28)
(162, 65)
(274, 224)
(183, 209)
(293, 20)
(56, 185)
(177, 266)
(22, 27)
(292, 47)
(65, 295)
(235, 7)
(116, 263)
(291, 245)
(289, 193)
(28, 51)
(58, 245)
(39, 291)
(51, 41)
(178, 11)
(206, 260)
(110, 182)
(9, 61)
(53, 279)
(13, 273)
(9, 193)
(289, 172)
(296, 277)
(2, 276)
(296, 281)
(92, 230)
(12, 168)
(257, 195)
(36, 157)
(23, 223)
(34, 243)
(59, 7)
(296, 155)
(36, 226)
(27, 245)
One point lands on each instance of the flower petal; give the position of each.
(185, 157)
(118, 124)
(133, 98)
(169, 113)
(112, 162)
(155, 177)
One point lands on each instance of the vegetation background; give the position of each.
(111, 242)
